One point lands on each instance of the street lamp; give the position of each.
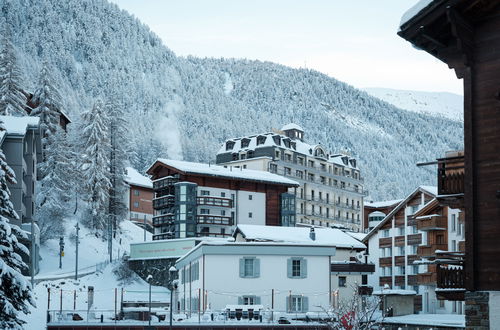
(173, 271)
(149, 278)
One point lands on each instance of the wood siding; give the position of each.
(385, 242)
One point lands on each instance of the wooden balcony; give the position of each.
(207, 219)
(214, 201)
(429, 250)
(461, 246)
(412, 279)
(451, 172)
(414, 239)
(163, 201)
(383, 280)
(399, 260)
(385, 242)
(399, 241)
(450, 282)
(385, 262)
(427, 278)
(164, 182)
(399, 280)
(432, 223)
(352, 267)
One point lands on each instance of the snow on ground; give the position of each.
(92, 249)
(104, 296)
(450, 320)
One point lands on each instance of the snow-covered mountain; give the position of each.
(444, 104)
(186, 107)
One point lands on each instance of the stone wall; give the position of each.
(477, 310)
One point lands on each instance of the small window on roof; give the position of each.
(245, 143)
(229, 145)
(277, 139)
(261, 140)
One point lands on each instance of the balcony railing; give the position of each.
(164, 182)
(352, 268)
(207, 219)
(450, 277)
(163, 236)
(451, 172)
(163, 201)
(426, 278)
(207, 234)
(214, 201)
(165, 219)
(432, 223)
(430, 250)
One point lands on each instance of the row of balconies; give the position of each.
(432, 223)
(169, 200)
(203, 219)
(323, 216)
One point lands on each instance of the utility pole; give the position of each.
(144, 228)
(76, 250)
(32, 253)
(61, 250)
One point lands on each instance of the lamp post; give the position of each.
(149, 278)
(173, 271)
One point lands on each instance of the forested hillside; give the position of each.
(185, 107)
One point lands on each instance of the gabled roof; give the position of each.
(421, 189)
(428, 207)
(292, 126)
(133, 177)
(382, 203)
(223, 172)
(324, 236)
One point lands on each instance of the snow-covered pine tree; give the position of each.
(12, 97)
(48, 105)
(53, 197)
(15, 290)
(118, 159)
(95, 165)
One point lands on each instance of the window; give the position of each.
(415, 270)
(453, 222)
(388, 252)
(250, 214)
(297, 267)
(414, 229)
(250, 197)
(136, 204)
(204, 211)
(300, 160)
(311, 163)
(401, 270)
(229, 145)
(288, 157)
(223, 212)
(245, 143)
(223, 231)
(415, 288)
(453, 245)
(297, 304)
(136, 192)
(261, 140)
(222, 194)
(273, 168)
(288, 171)
(249, 267)
(310, 177)
(385, 233)
(299, 174)
(413, 249)
(342, 282)
(205, 193)
(401, 231)
(249, 300)
(401, 250)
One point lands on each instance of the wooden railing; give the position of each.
(208, 219)
(451, 174)
(450, 277)
(214, 201)
(434, 223)
(429, 250)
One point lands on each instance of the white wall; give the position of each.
(256, 206)
(352, 280)
(224, 285)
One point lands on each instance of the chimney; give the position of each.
(312, 234)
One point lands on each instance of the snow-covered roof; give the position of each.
(229, 172)
(358, 236)
(19, 125)
(432, 320)
(394, 292)
(431, 189)
(383, 203)
(292, 126)
(427, 216)
(133, 177)
(324, 236)
(415, 10)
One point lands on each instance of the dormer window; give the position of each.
(286, 142)
(277, 139)
(261, 140)
(245, 143)
(229, 145)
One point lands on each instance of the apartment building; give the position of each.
(375, 212)
(139, 197)
(403, 247)
(193, 199)
(331, 186)
(283, 277)
(21, 145)
(443, 239)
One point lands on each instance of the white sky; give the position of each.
(354, 41)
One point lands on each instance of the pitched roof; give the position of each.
(324, 236)
(19, 125)
(424, 189)
(383, 203)
(221, 171)
(292, 126)
(133, 177)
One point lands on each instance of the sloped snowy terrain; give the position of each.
(444, 104)
(184, 108)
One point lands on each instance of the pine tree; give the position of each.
(118, 158)
(15, 290)
(53, 197)
(49, 107)
(95, 165)
(12, 97)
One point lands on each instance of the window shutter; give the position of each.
(242, 267)
(303, 268)
(287, 308)
(305, 304)
(289, 268)
(240, 300)
(256, 267)
(257, 300)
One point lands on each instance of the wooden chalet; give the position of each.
(465, 34)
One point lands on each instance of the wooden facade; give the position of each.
(465, 35)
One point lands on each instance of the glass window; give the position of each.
(342, 282)
(205, 193)
(248, 267)
(295, 268)
(136, 192)
(250, 197)
(136, 204)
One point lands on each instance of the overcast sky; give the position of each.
(354, 41)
